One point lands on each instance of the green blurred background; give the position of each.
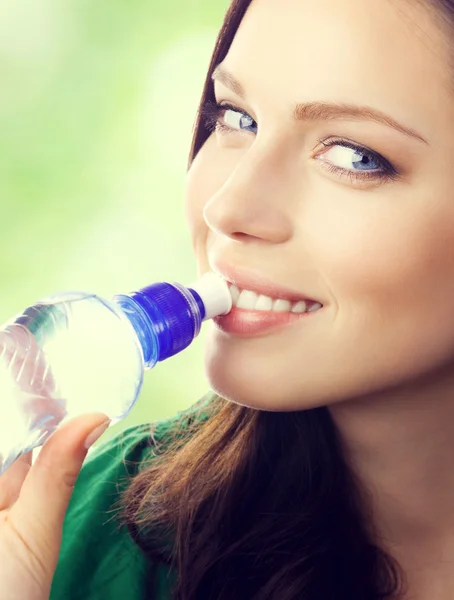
(97, 104)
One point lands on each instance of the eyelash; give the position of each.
(211, 119)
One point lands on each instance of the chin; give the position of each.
(261, 373)
(245, 395)
(252, 381)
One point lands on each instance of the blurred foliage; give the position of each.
(97, 106)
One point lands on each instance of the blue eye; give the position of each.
(227, 118)
(356, 162)
(235, 119)
(350, 158)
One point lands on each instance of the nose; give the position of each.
(252, 203)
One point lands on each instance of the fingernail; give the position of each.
(96, 434)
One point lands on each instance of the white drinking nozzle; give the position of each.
(215, 294)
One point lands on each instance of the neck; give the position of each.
(401, 445)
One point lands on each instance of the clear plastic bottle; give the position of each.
(76, 353)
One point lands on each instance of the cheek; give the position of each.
(196, 194)
(389, 266)
(206, 176)
(380, 248)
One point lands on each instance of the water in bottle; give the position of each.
(76, 353)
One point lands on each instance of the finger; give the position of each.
(12, 480)
(39, 511)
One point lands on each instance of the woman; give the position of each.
(321, 467)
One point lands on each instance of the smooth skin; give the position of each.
(378, 253)
(33, 503)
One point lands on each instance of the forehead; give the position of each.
(389, 54)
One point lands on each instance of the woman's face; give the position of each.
(354, 210)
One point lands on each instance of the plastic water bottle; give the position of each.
(76, 353)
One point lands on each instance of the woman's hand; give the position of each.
(33, 503)
(35, 406)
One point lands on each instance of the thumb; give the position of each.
(39, 512)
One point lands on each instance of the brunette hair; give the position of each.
(258, 505)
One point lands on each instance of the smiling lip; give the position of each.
(245, 279)
(252, 323)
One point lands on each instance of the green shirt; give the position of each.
(98, 558)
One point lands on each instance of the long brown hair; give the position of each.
(254, 505)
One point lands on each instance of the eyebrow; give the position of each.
(323, 111)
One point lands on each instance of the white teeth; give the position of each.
(264, 303)
(281, 306)
(299, 307)
(247, 300)
(235, 293)
(315, 307)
